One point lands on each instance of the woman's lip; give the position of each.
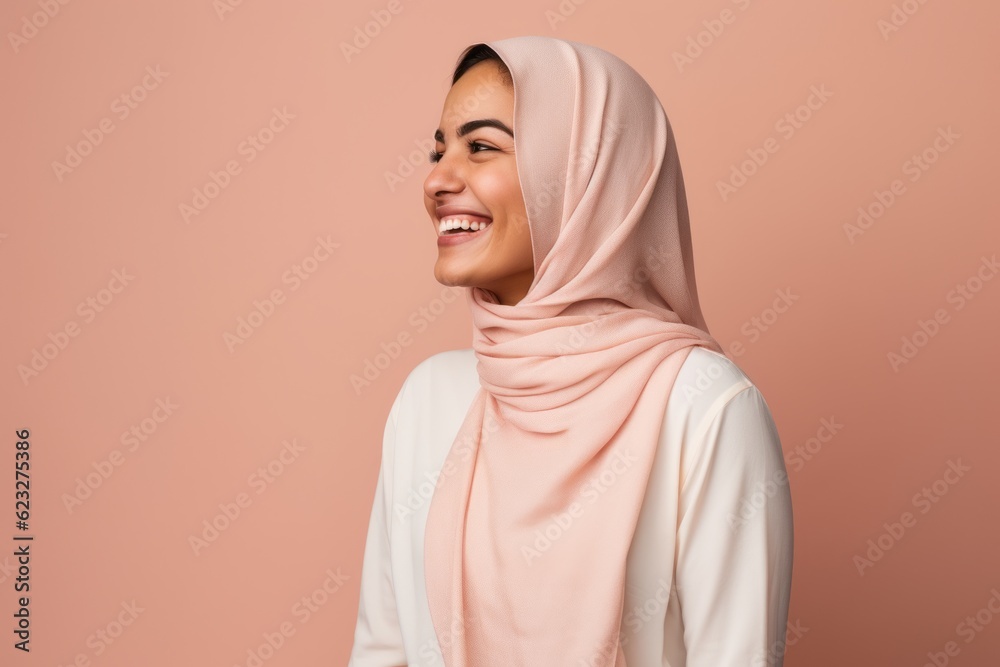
(461, 237)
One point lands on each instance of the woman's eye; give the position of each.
(435, 156)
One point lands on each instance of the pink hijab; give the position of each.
(530, 525)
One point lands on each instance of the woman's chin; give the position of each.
(450, 278)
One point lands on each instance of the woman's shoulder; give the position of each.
(706, 370)
(451, 364)
(441, 375)
(706, 382)
(446, 362)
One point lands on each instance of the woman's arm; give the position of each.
(378, 640)
(734, 538)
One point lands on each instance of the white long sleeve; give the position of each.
(734, 539)
(378, 638)
(709, 571)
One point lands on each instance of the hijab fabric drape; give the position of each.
(531, 521)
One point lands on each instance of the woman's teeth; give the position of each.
(456, 225)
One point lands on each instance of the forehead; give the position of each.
(479, 93)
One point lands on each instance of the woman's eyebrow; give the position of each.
(465, 128)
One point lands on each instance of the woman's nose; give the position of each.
(444, 177)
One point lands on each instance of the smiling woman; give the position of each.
(473, 194)
(568, 491)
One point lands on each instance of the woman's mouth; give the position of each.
(452, 231)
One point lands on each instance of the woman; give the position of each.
(594, 482)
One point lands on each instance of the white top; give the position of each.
(708, 575)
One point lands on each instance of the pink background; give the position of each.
(323, 176)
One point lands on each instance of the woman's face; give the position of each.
(474, 178)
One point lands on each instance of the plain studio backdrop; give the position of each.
(217, 269)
